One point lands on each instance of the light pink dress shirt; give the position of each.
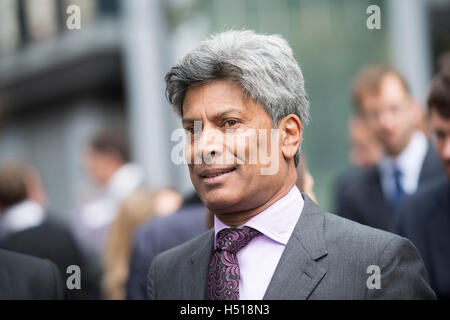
(258, 260)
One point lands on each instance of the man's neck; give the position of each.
(239, 218)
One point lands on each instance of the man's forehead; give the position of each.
(390, 89)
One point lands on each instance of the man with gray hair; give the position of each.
(269, 240)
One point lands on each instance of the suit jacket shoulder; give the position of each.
(363, 200)
(416, 209)
(424, 218)
(431, 167)
(159, 235)
(334, 258)
(168, 271)
(24, 277)
(52, 240)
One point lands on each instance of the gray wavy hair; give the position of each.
(263, 65)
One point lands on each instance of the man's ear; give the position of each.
(291, 135)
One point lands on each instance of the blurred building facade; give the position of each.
(57, 86)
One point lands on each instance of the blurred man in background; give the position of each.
(425, 217)
(365, 151)
(107, 161)
(25, 226)
(381, 96)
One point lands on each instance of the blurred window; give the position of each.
(108, 7)
(41, 17)
(9, 26)
(439, 19)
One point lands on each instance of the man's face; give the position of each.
(390, 113)
(440, 127)
(366, 149)
(100, 165)
(230, 125)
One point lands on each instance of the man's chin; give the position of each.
(393, 148)
(218, 202)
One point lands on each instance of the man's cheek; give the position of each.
(247, 147)
(193, 153)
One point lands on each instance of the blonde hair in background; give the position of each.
(138, 208)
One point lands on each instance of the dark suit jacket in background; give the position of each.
(425, 219)
(53, 241)
(24, 277)
(360, 196)
(157, 236)
(326, 257)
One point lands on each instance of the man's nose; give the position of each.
(385, 119)
(211, 142)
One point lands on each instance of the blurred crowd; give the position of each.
(400, 155)
(398, 182)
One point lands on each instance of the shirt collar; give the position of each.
(277, 221)
(24, 215)
(409, 161)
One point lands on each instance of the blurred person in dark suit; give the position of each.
(24, 277)
(108, 162)
(382, 97)
(26, 228)
(365, 152)
(161, 234)
(137, 209)
(269, 240)
(425, 216)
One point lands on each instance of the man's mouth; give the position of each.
(215, 172)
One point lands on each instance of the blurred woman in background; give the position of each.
(138, 208)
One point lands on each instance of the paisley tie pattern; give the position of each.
(224, 274)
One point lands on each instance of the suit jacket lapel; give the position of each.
(431, 166)
(298, 273)
(382, 216)
(197, 283)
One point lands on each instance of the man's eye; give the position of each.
(440, 135)
(231, 122)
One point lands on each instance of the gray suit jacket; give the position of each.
(24, 277)
(326, 257)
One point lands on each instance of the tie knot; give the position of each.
(234, 239)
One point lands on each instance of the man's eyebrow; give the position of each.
(225, 113)
(188, 121)
(216, 117)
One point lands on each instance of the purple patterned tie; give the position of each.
(223, 278)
